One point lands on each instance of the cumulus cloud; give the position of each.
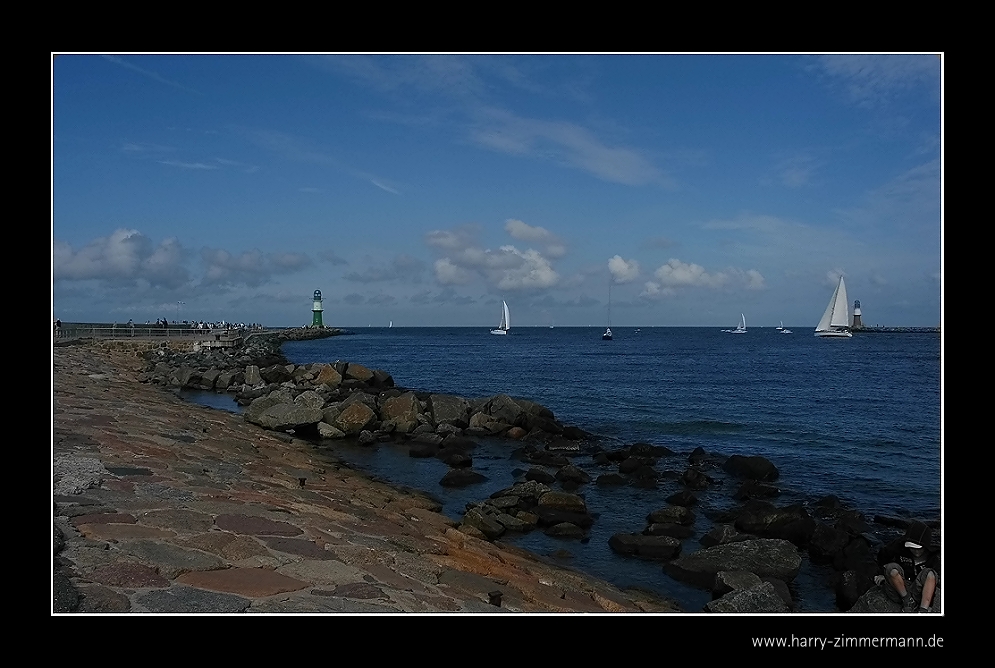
(251, 267)
(681, 274)
(448, 273)
(652, 290)
(123, 257)
(552, 245)
(533, 272)
(676, 275)
(456, 239)
(623, 271)
(505, 268)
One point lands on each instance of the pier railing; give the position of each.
(147, 332)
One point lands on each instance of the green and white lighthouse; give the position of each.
(316, 310)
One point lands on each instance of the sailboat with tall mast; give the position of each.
(740, 328)
(505, 320)
(836, 320)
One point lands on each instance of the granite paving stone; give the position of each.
(189, 599)
(251, 582)
(130, 575)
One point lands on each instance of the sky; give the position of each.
(424, 189)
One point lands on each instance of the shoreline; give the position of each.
(164, 506)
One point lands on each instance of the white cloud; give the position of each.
(447, 273)
(681, 274)
(533, 272)
(124, 256)
(623, 271)
(676, 274)
(519, 230)
(553, 246)
(456, 239)
(652, 290)
(248, 268)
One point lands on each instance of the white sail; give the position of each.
(505, 320)
(740, 328)
(836, 319)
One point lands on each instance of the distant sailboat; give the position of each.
(505, 321)
(836, 320)
(783, 329)
(607, 336)
(741, 328)
(390, 324)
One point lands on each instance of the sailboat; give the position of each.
(783, 329)
(505, 321)
(607, 336)
(740, 328)
(390, 324)
(836, 320)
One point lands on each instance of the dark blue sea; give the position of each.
(856, 418)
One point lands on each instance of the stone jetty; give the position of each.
(164, 506)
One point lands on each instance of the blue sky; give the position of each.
(424, 189)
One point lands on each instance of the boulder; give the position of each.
(328, 376)
(326, 430)
(722, 533)
(283, 417)
(563, 501)
(208, 379)
(358, 372)
(752, 468)
(276, 373)
(766, 557)
(758, 599)
(461, 478)
(565, 530)
(695, 479)
(449, 409)
(252, 376)
(875, 600)
(310, 399)
(382, 379)
(355, 418)
(764, 519)
(403, 411)
(503, 408)
(671, 514)
(486, 524)
(727, 581)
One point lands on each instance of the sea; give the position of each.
(859, 419)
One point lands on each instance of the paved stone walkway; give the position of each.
(162, 506)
